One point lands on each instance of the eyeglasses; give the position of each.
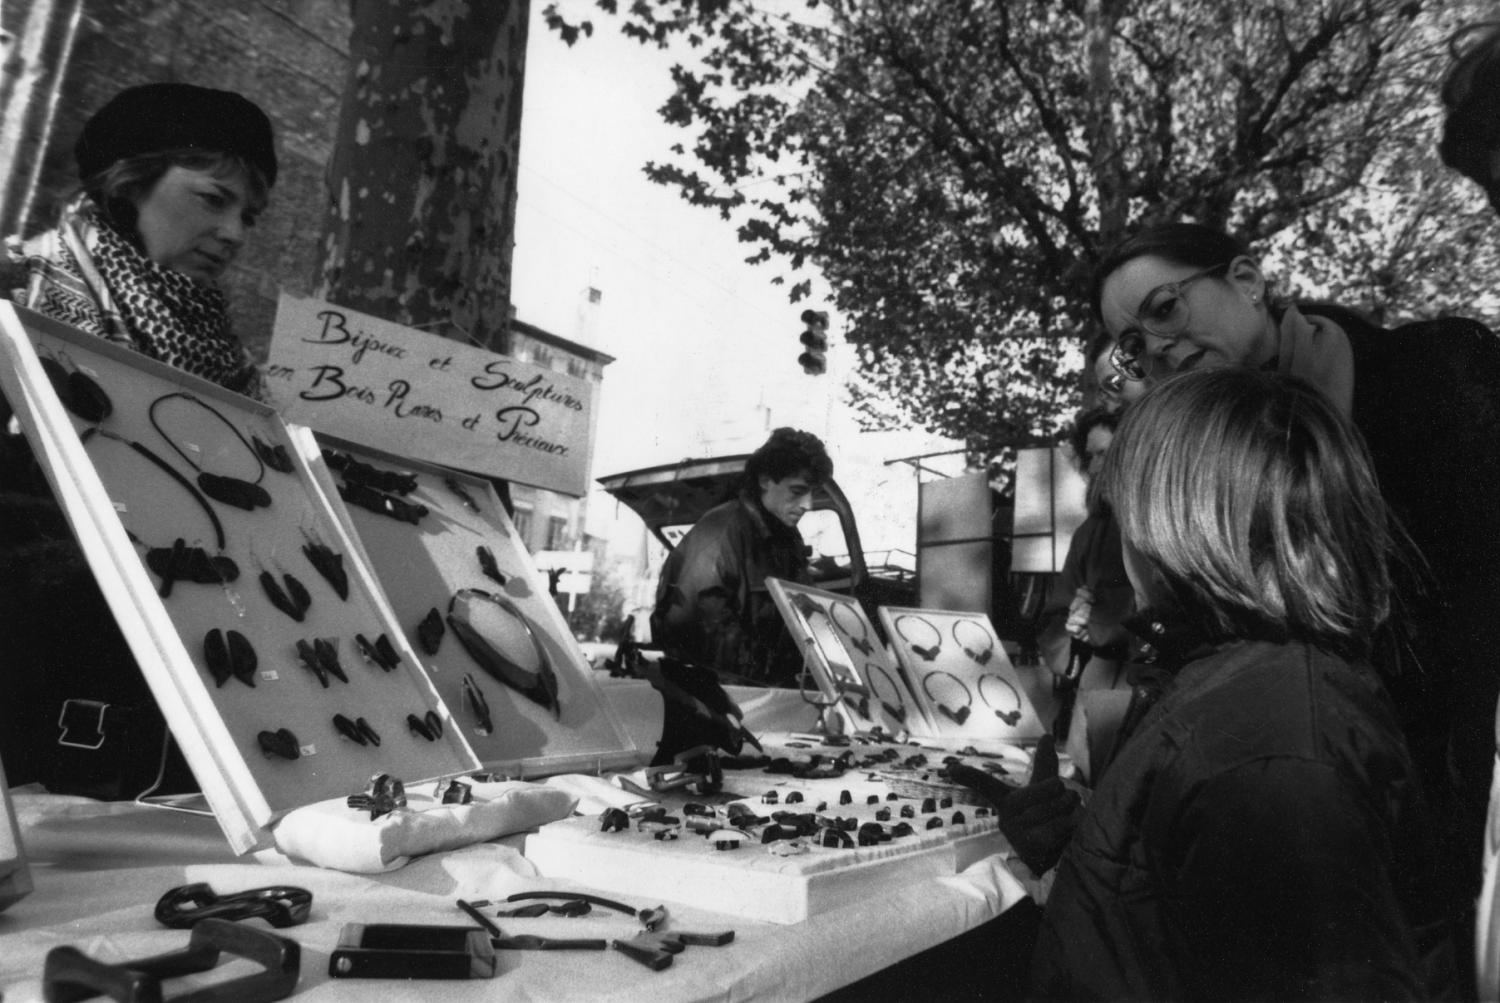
(1163, 313)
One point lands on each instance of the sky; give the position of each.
(706, 347)
(704, 343)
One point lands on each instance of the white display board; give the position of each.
(187, 572)
(853, 672)
(960, 674)
(451, 551)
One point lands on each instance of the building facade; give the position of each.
(547, 520)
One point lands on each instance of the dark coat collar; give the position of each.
(766, 526)
(1173, 634)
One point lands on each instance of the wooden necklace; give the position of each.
(983, 655)
(538, 685)
(236, 491)
(178, 562)
(959, 714)
(927, 653)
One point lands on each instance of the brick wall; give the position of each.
(288, 56)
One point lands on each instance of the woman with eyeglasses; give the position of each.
(1426, 398)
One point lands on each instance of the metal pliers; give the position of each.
(655, 949)
(532, 942)
(650, 919)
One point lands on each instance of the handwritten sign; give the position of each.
(419, 395)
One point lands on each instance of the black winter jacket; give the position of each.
(1427, 401)
(1262, 835)
(712, 605)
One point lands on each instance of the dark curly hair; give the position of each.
(1086, 422)
(787, 453)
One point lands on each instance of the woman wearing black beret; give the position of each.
(173, 178)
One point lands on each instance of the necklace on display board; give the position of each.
(983, 655)
(178, 561)
(236, 491)
(928, 653)
(957, 715)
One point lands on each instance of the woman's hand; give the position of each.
(1039, 818)
(1080, 612)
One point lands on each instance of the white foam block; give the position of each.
(753, 882)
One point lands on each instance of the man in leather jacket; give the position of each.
(712, 605)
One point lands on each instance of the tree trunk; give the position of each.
(422, 182)
(1103, 141)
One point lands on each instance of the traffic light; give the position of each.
(815, 337)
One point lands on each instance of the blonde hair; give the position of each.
(1255, 503)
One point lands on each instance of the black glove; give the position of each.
(697, 710)
(701, 683)
(1039, 818)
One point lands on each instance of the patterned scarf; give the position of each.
(85, 274)
(1317, 349)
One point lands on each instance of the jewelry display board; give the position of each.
(493, 641)
(253, 617)
(961, 676)
(854, 673)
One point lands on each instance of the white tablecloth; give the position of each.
(99, 869)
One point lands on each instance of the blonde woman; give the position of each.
(1261, 833)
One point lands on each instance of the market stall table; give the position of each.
(99, 869)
